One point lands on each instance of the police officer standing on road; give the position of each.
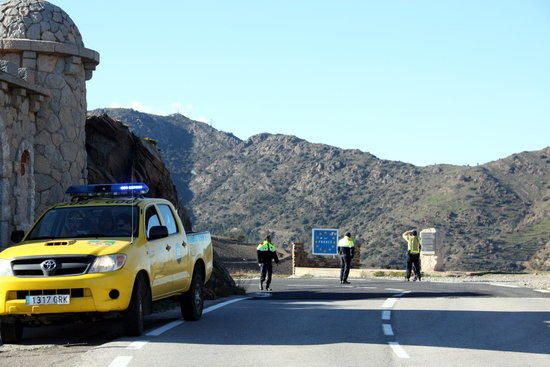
(346, 250)
(266, 253)
(413, 250)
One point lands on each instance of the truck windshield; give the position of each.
(87, 222)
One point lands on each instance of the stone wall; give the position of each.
(302, 258)
(19, 103)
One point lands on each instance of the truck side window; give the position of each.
(151, 219)
(169, 219)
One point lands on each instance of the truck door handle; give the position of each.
(168, 247)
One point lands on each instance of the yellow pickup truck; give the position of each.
(109, 250)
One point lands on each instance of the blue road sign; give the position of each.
(324, 241)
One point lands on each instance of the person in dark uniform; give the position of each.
(346, 250)
(413, 250)
(267, 252)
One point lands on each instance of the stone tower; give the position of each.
(44, 67)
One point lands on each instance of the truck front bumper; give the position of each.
(89, 293)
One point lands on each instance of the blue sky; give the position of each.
(461, 82)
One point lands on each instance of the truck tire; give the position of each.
(192, 302)
(11, 332)
(133, 316)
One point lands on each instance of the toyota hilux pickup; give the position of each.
(107, 251)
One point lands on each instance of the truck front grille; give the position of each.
(41, 266)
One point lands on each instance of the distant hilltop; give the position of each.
(493, 216)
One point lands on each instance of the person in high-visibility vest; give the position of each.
(267, 252)
(346, 250)
(413, 250)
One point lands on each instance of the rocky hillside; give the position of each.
(494, 216)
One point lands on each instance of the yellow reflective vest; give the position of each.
(266, 246)
(413, 244)
(346, 242)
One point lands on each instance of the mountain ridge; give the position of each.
(494, 216)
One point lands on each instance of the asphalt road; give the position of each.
(318, 322)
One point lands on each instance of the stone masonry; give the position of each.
(41, 52)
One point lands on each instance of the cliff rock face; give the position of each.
(116, 155)
(493, 216)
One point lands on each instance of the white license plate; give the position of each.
(54, 299)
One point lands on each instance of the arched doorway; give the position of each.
(24, 188)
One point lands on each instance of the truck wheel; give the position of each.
(192, 301)
(133, 316)
(11, 332)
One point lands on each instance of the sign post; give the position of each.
(324, 241)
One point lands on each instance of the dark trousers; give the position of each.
(266, 269)
(414, 259)
(345, 265)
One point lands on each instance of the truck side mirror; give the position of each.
(17, 236)
(158, 232)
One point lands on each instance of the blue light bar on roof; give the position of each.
(125, 189)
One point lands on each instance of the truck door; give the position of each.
(177, 266)
(157, 255)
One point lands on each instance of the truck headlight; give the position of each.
(5, 268)
(107, 263)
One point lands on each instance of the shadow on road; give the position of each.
(295, 319)
(342, 296)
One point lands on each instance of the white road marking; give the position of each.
(504, 285)
(137, 345)
(395, 290)
(398, 350)
(223, 304)
(386, 315)
(388, 303)
(388, 331)
(365, 287)
(161, 330)
(542, 290)
(121, 361)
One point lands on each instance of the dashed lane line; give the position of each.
(398, 350)
(387, 327)
(505, 285)
(389, 302)
(226, 303)
(402, 294)
(137, 344)
(395, 290)
(161, 330)
(388, 331)
(121, 361)
(542, 290)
